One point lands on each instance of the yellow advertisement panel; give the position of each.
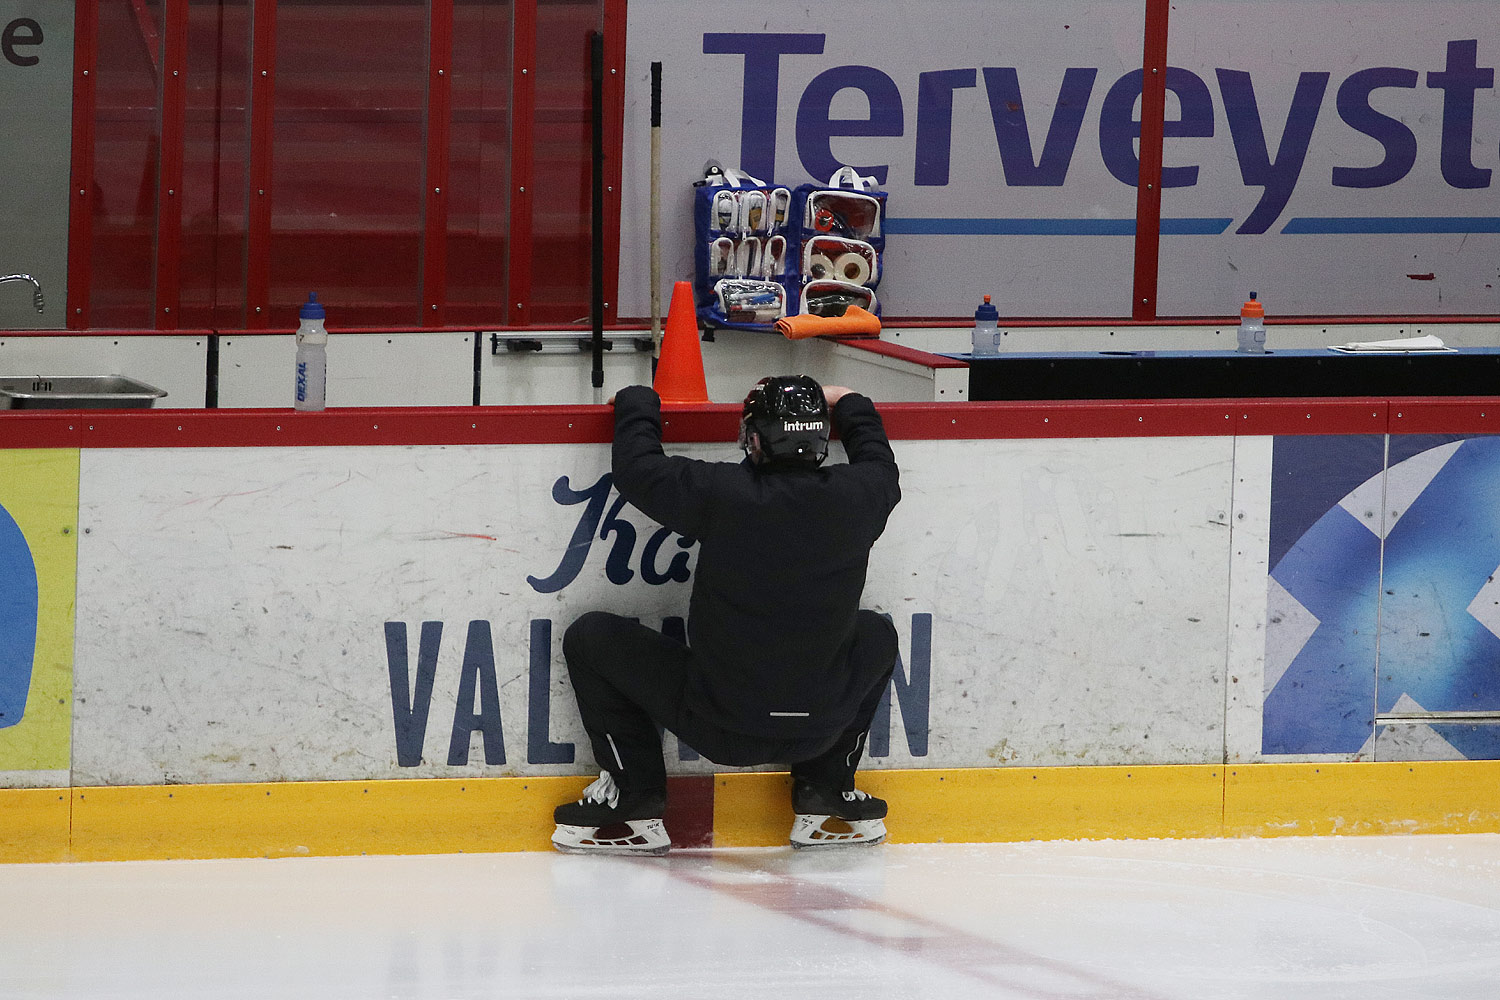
(38, 571)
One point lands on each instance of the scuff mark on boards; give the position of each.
(1429, 276)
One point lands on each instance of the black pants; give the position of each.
(629, 680)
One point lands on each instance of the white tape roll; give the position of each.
(851, 267)
(820, 267)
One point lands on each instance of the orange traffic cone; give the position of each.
(679, 371)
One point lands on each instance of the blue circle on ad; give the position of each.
(18, 620)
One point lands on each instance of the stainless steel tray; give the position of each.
(75, 392)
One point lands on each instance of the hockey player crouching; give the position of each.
(782, 666)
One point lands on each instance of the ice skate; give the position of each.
(827, 818)
(609, 821)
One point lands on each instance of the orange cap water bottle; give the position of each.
(1252, 335)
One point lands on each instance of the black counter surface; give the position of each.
(1226, 374)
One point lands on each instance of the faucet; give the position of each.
(36, 297)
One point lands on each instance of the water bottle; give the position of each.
(312, 356)
(986, 329)
(1252, 338)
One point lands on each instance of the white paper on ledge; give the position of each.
(1427, 343)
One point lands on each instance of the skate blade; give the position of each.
(636, 836)
(815, 832)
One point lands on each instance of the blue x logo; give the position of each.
(1433, 583)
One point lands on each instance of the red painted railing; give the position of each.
(279, 428)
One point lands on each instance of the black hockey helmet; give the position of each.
(790, 414)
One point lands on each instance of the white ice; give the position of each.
(1281, 919)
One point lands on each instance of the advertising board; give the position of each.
(1336, 158)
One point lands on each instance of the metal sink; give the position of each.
(75, 392)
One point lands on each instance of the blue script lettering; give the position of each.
(1458, 82)
(1278, 177)
(21, 33)
(762, 81)
(539, 746)
(594, 522)
(1014, 138)
(410, 706)
(1400, 144)
(816, 130)
(913, 689)
(935, 123)
(478, 672)
(1119, 128)
(1276, 174)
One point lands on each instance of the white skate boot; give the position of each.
(608, 821)
(828, 818)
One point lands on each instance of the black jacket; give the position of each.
(781, 565)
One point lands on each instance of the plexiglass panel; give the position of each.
(479, 163)
(127, 142)
(349, 151)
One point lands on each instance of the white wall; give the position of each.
(178, 364)
(233, 603)
(364, 369)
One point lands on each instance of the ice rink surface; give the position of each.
(1280, 919)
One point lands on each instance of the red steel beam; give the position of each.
(439, 123)
(81, 177)
(262, 116)
(522, 161)
(1148, 184)
(614, 146)
(716, 422)
(169, 194)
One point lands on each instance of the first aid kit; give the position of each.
(765, 251)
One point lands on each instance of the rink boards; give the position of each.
(1164, 619)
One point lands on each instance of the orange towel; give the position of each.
(855, 322)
